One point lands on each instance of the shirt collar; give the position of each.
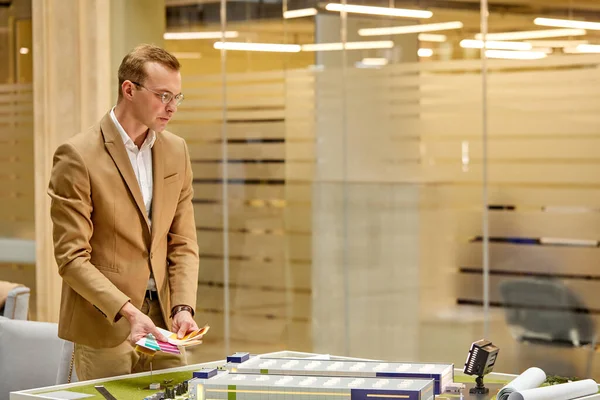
(148, 142)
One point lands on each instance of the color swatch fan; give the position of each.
(149, 345)
(192, 338)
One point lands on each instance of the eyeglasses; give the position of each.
(165, 97)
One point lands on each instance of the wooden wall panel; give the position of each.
(17, 178)
(534, 260)
(16, 161)
(268, 173)
(396, 154)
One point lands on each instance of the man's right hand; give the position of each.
(141, 324)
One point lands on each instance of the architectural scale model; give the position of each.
(260, 378)
(230, 385)
(442, 374)
(282, 375)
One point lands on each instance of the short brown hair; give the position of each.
(133, 65)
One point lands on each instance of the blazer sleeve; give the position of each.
(71, 210)
(182, 245)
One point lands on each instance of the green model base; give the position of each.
(132, 388)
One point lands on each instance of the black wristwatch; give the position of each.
(181, 307)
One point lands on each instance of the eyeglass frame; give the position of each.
(165, 97)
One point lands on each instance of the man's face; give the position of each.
(149, 108)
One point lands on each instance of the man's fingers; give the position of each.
(158, 335)
(135, 336)
(183, 330)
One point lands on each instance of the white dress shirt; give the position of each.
(141, 161)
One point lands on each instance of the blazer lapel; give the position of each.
(158, 172)
(115, 146)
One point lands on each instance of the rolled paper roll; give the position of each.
(531, 378)
(564, 391)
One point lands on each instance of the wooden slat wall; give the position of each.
(16, 177)
(543, 179)
(382, 134)
(388, 165)
(16, 160)
(268, 182)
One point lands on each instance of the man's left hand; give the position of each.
(183, 322)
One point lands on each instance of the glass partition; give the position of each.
(17, 228)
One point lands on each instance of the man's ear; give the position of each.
(128, 87)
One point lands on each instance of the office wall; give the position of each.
(16, 139)
(384, 234)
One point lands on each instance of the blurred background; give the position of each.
(369, 180)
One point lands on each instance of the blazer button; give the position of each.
(151, 255)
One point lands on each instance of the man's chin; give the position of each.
(158, 128)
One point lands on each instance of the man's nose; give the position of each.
(171, 106)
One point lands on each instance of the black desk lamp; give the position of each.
(480, 361)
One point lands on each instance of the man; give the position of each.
(123, 224)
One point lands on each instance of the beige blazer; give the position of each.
(103, 242)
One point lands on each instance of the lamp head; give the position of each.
(481, 358)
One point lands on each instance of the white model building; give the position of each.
(227, 385)
(442, 374)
